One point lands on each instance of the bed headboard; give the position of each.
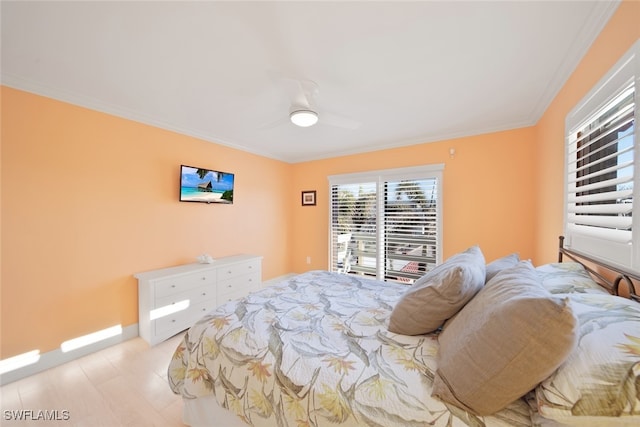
(616, 280)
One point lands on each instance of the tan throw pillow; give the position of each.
(496, 266)
(509, 338)
(439, 294)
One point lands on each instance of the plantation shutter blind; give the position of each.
(601, 173)
(410, 227)
(354, 211)
(391, 220)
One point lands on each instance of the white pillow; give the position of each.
(568, 278)
(601, 377)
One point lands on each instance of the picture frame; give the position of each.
(309, 198)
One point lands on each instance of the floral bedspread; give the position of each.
(314, 350)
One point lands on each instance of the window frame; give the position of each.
(624, 255)
(380, 177)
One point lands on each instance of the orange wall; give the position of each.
(622, 30)
(487, 188)
(89, 199)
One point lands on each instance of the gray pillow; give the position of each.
(496, 266)
(439, 294)
(509, 338)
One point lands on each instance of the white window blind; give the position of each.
(601, 152)
(386, 224)
(354, 227)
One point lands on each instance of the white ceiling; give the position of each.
(405, 72)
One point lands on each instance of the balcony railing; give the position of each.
(408, 257)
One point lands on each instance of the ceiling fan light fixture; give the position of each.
(304, 118)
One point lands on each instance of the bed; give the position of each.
(319, 349)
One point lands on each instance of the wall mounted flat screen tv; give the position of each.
(205, 185)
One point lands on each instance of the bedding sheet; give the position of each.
(314, 350)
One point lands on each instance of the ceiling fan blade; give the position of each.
(309, 90)
(337, 120)
(274, 124)
(300, 92)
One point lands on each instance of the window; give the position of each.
(600, 159)
(386, 224)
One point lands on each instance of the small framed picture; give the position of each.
(309, 198)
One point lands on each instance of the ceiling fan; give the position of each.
(301, 112)
(304, 111)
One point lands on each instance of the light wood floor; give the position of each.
(123, 385)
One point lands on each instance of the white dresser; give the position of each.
(172, 299)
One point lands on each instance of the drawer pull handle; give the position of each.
(173, 320)
(204, 278)
(173, 286)
(204, 294)
(229, 286)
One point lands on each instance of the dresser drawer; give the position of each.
(238, 294)
(239, 269)
(236, 284)
(194, 296)
(175, 285)
(182, 320)
(199, 310)
(174, 322)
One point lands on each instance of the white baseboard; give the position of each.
(57, 357)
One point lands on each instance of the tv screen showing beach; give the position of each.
(205, 185)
